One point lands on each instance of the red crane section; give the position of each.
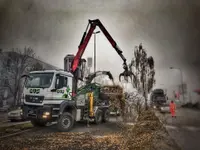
(86, 38)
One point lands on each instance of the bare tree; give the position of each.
(143, 68)
(15, 64)
(36, 67)
(135, 102)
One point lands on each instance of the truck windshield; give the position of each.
(158, 92)
(39, 80)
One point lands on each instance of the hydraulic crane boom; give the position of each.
(85, 39)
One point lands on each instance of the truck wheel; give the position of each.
(38, 123)
(65, 122)
(106, 116)
(98, 117)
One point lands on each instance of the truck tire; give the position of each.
(106, 116)
(38, 123)
(65, 122)
(98, 117)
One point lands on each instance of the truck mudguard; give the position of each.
(70, 105)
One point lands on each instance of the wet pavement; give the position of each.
(185, 128)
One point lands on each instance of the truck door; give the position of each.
(63, 84)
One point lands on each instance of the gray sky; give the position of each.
(169, 30)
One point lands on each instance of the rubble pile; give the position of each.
(148, 134)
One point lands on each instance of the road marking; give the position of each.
(191, 128)
(171, 127)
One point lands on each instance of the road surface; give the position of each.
(104, 128)
(185, 129)
(43, 134)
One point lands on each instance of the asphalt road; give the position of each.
(185, 128)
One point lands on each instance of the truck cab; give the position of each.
(44, 91)
(158, 98)
(48, 97)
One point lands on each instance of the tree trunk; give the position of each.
(15, 99)
(146, 106)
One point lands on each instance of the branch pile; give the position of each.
(148, 134)
(63, 141)
(115, 95)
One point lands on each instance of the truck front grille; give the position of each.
(34, 99)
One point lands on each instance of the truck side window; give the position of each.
(62, 82)
(65, 82)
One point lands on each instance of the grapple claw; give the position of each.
(127, 74)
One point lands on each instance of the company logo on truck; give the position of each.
(35, 91)
(60, 91)
(65, 92)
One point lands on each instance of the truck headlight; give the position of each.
(47, 113)
(44, 116)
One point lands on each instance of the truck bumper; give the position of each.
(41, 113)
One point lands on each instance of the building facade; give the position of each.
(6, 66)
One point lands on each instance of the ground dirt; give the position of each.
(148, 133)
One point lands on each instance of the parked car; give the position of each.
(16, 115)
(165, 108)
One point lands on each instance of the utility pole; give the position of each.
(95, 49)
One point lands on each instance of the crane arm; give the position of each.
(85, 39)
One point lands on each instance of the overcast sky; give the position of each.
(168, 29)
